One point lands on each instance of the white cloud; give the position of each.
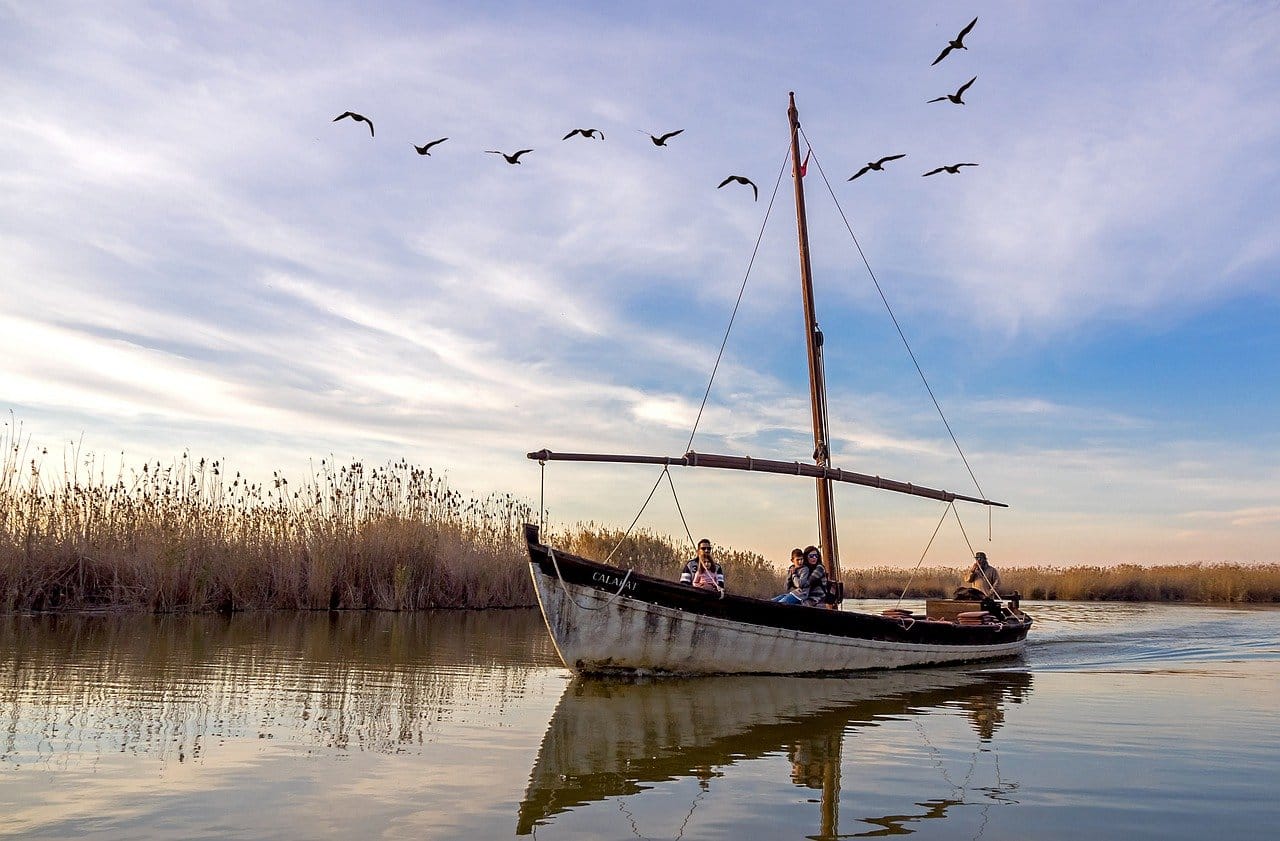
(190, 242)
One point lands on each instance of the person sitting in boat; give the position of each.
(797, 580)
(817, 576)
(703, 571)
(982, 580)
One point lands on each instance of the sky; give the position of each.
(195, 257)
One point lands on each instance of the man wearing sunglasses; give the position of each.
(702, 570)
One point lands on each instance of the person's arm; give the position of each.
(686, 574)
(817, 585)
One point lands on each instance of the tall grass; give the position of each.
(1220, 582)
(190, 536)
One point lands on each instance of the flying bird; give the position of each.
(876, 165)
(956, 97)
(745, 181)
(359, 118)
(426, 150)
(511, 159)
(585, 132)
(661, 140)
(957, 44)
(954, 169)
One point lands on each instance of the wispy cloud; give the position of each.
(196, 255)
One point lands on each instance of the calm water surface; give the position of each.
(1122, 721)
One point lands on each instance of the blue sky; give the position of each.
(194, 257)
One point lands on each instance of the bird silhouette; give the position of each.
(426, 150)
(953, 169)
(585, 132)
(359, 118)
(512, 158)
(662, 139)
(956, 97)
(876, 165)
(957, 44)
(746, 182)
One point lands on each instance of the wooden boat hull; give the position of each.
(604, 619)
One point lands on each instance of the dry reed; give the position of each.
(188, 537)
(1219, 582)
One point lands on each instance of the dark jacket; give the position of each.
(816, 579)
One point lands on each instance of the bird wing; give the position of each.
(599, 132)
(370, 122)
(571, 134)
(670, 134)
(436, 142)
(521, 152)
(343, 115)
(939, 99)
(862, 171)
(888, 158)
(966, 30)
(966, 164)
(965, 86)
(932, 172)
(494, 152)
(945, 52)
(755, 191)
(726, 181)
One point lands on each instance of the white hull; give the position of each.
(594, 634)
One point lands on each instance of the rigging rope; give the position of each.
(622, 539)
(949, 506)
(680, 511)
(994, 592)
(894, 318)
(707, 393)
(742, 289)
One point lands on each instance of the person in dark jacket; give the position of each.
(703, 570)
(806, 583)
(817, 576)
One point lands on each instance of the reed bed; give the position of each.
(1199, 582)
(191, 536)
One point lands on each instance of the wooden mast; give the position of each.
(813, 341)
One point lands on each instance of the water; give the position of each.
(1122, 721)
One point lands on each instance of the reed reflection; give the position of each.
(76, 686)
(612, 739)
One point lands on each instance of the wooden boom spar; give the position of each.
(760, 465)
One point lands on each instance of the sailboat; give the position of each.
(605, 618)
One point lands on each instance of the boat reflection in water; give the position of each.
(615, 738)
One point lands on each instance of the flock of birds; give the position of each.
(513, 158)
(956, 98)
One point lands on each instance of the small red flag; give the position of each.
(804, 167)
